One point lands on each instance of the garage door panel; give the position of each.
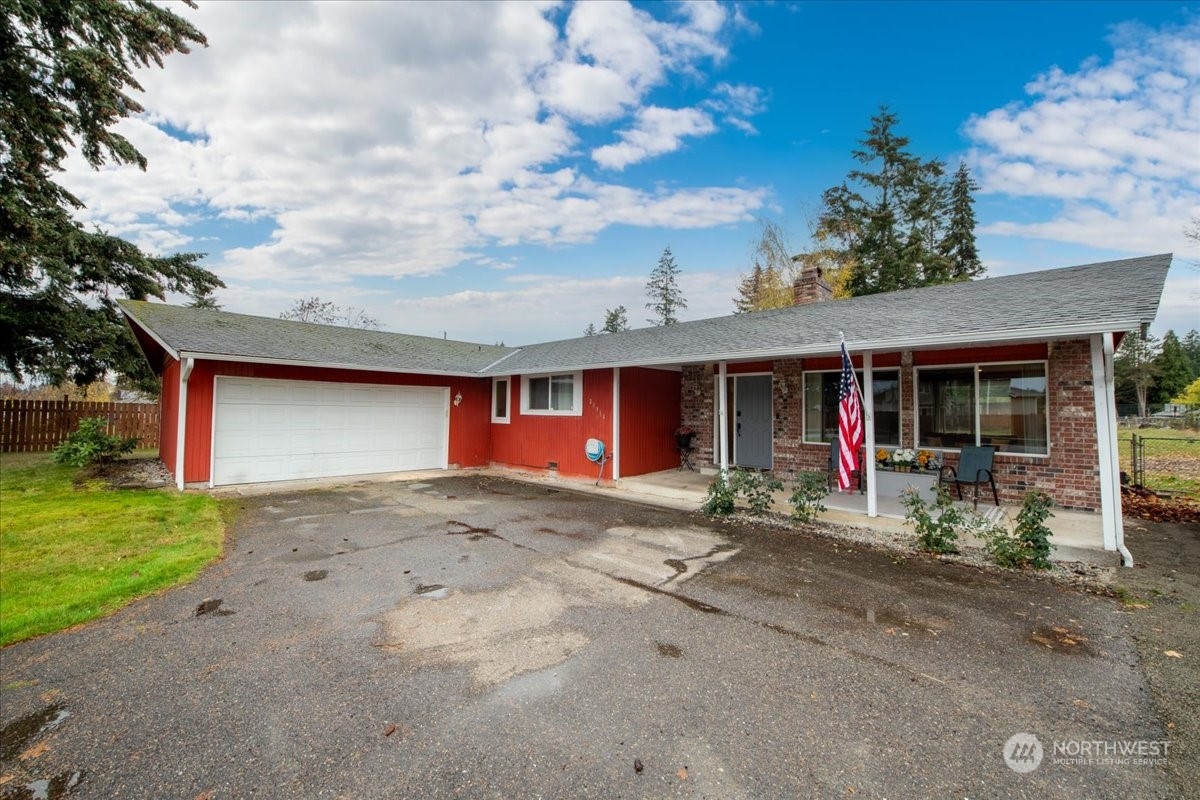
(266, 430)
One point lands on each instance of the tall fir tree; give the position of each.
(1191, 346)
(958, 245)
(666, 298)
(896, 223)
(1174, 369)
(67, 77)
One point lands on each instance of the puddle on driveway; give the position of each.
(432, 591)
(1061, 640)
(17, 735)
(669, 650)
(316, 575)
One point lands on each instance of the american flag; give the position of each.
(850, 423)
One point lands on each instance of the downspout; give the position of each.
(1110, 402)
(185, 372)
(1106, 447)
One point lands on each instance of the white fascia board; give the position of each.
(170, 350)
(874, 345)
(289, 362)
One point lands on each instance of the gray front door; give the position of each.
(752, 421)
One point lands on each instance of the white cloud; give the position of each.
(1114, 144)
(403, 138)
(656, 131)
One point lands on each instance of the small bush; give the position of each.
(89, 444)
(758, 488)
(1029, 543)
(936, 524)
(719, 500)
(807, 492)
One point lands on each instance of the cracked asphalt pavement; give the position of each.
(477, 637)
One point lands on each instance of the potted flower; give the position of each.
(928, 460)
(883, 458)
(683, 437)
(903, 459)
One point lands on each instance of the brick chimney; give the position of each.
(810, 286)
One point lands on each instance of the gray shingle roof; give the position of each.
(204, 331)
(1092, 298)
(1072, 301)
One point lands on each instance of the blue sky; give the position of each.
(506, 172)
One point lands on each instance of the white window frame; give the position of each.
(975, 367)
(804, 401)
(504, 420)
(576, 409)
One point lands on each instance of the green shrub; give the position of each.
(807, 492)
(758, 487)
(1029, 543)
(89, 444)
(719, 500)
(936, 524)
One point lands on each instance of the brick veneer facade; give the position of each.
(1070, 474)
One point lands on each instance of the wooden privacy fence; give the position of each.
(29, 426)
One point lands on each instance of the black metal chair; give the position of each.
(834, 464)
(974, 469)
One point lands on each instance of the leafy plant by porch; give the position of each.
(757, 487)
(1028, 545)
(936, 524)
(74, 554)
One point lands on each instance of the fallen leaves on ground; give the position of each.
(1145, 504)
(1172, 654)
(41, 748)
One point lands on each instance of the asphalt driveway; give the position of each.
(475, 637)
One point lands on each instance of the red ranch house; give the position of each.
(1022, 363)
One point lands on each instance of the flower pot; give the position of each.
(684, 440)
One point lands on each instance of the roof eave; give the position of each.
(290, 362)
(923, 342)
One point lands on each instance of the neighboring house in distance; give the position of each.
(1020, 362)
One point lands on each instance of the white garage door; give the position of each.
(271, 430)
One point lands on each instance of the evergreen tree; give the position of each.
(898, 224)
(1191, 347)
(1174, 370)
(1135, 369)
(615, 320)
(958, 246)
(66, 78)
(590, 330)
(666, 298)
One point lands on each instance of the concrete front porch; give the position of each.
(1077, 535)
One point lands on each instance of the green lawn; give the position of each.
(69, 555)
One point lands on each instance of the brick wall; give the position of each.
(1070, 474)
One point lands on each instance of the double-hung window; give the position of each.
(821, 405)
(553, 394)
(1001, 405)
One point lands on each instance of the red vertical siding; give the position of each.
(650, 412)
(530, 440)
(470, 444)
(168, 413)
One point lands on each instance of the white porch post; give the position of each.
(616, 425)
(1106, 445)
(723, 416)
(868, 389)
